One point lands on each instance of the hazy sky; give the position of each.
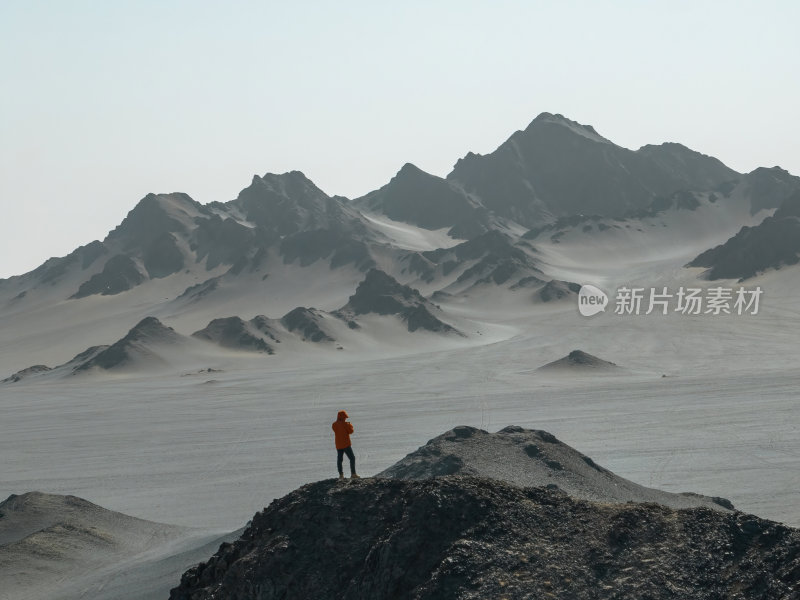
(103, 102)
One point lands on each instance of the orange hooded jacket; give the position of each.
(342, 429)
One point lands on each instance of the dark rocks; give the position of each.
(768, 187)
(307, 323)
(200, 290)
(154, 215)
(491, 257)
(283, 204)
(558, 290)
(237, 334)
(311, 246)
(532, 176)
(466, 537)
(20, 375)
(163, 257)
(119, 274)
(221, 241)
(580, 360)
(381, 294)
(770, 245)
(416, 197)
(525, 458)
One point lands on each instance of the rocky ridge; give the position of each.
(467, 537)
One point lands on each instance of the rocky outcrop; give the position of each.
(119, 274)
(381, 294)
(256, 335)
(558, 290)
(767, 187)
(531, 178)
(417, 197)
(491, 257)
(307, 247)
(527, 457)
(28, 372)
(466, 537)
(307, 323)
(578, 360)
(774, 243)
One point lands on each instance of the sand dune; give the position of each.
(62, 547)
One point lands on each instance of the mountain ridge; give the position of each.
(483, 226)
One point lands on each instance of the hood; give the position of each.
(341, 416)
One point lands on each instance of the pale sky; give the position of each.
(104, 102)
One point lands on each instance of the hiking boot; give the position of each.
(354, 476)
(341, 475)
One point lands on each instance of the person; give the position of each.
(342, 429)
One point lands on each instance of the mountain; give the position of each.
(416, 197)
(770, 245)
(235, 333)
(419, 531)
(168, 233)
(768, 188)
(490, 225)
(148, 345)
(381, 294)
(136, 346)
(261, 334)
(531, 178)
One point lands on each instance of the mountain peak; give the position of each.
(547, 119)
(288, 184)
(287, 176)
(411, 170)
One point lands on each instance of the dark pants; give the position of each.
(340, 453)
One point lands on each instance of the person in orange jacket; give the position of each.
(342, 428)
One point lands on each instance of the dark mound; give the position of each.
(580, 360)
(137, 344)
(464, 537)
(381, 294)
(306, 322)
(341, 247)
(200, 290)
(233, 332)
(772, 244)
(527, 457)
(20, 375)
(558, 290)
(492, 257)
(119, 274)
